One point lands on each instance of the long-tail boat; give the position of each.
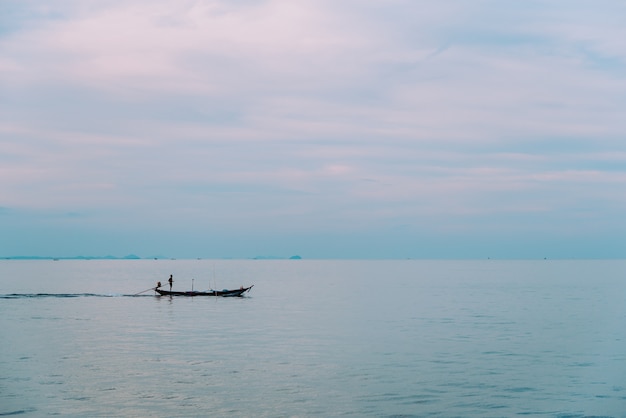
(226, 293)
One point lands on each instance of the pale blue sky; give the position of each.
(328, 129)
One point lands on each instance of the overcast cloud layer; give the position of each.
(327, 129)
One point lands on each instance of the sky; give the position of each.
(327, 129)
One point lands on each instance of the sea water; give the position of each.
(314, 338)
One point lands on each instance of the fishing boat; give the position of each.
(226, 293)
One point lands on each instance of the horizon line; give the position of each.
(131, 257)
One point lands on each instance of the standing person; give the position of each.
(171, 280)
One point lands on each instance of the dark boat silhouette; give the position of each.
(223, 293)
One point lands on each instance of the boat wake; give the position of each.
(67, 295)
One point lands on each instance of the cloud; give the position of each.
(315, 115)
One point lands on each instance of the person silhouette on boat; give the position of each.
(158, 285)
(170, 280)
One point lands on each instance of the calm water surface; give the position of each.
(314, 338)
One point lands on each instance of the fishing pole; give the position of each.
(214, 279)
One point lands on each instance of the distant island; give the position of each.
(266, 257)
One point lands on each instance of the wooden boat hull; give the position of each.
(223, 293)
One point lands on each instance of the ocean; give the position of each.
(314, 338)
